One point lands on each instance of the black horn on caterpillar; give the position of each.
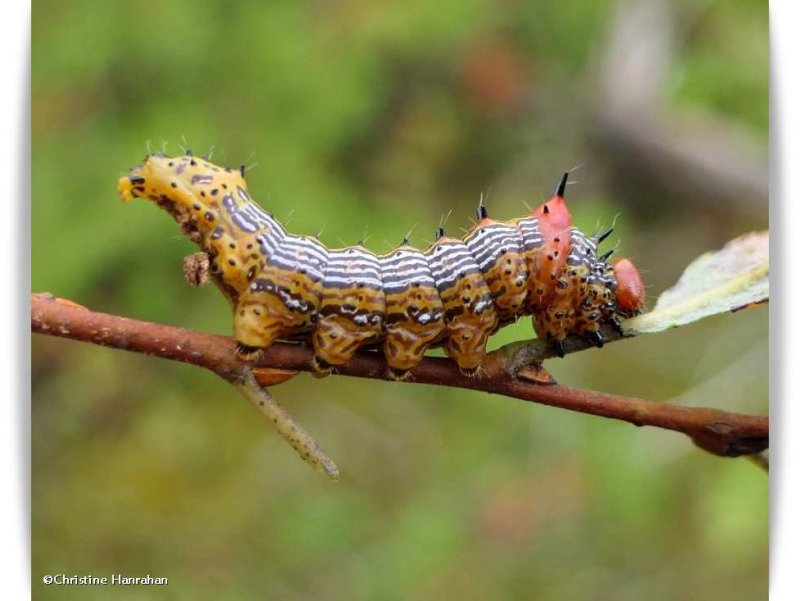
(561, 188)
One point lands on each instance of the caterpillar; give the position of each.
(455, 293)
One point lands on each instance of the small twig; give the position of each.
(719, 432)
(290, 430)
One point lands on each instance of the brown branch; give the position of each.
(719, 432)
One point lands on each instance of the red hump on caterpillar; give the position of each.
(455, 293)
(553, 215)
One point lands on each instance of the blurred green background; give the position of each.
(365, 118)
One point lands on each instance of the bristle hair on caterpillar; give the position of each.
(454, 293)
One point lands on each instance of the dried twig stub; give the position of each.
(301, 441)
(197, 269)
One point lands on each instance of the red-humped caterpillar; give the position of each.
(455, 293)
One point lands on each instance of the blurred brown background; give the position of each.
(368, 118)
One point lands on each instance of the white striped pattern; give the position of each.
(251, 218)
(271, 240)
(243, 223)
(582, 249)
(448, 260)
(488, 243)
(404, 266)
(297, 252)
(529, 229)
(349, 266)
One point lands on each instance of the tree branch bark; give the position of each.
(514, 371)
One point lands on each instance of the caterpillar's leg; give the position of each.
(254, 328)
(246, 352)
(404, 349)
(588, 326)
(466, 345)
(400, 375)
(334, 343)
(337, 338)
(321, 367)
(475, 372)
(554, 323)
(596, 338)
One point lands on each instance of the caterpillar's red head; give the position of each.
(630, 288)
(554, 215)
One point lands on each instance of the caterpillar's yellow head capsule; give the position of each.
(130, 186)
(183, 180)
(190, 188)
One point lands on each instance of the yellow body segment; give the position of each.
(284, 298)
(352, 307)
(498, 251)
(414, 310)
(469, 314)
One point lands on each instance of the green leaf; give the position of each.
(735, 277)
